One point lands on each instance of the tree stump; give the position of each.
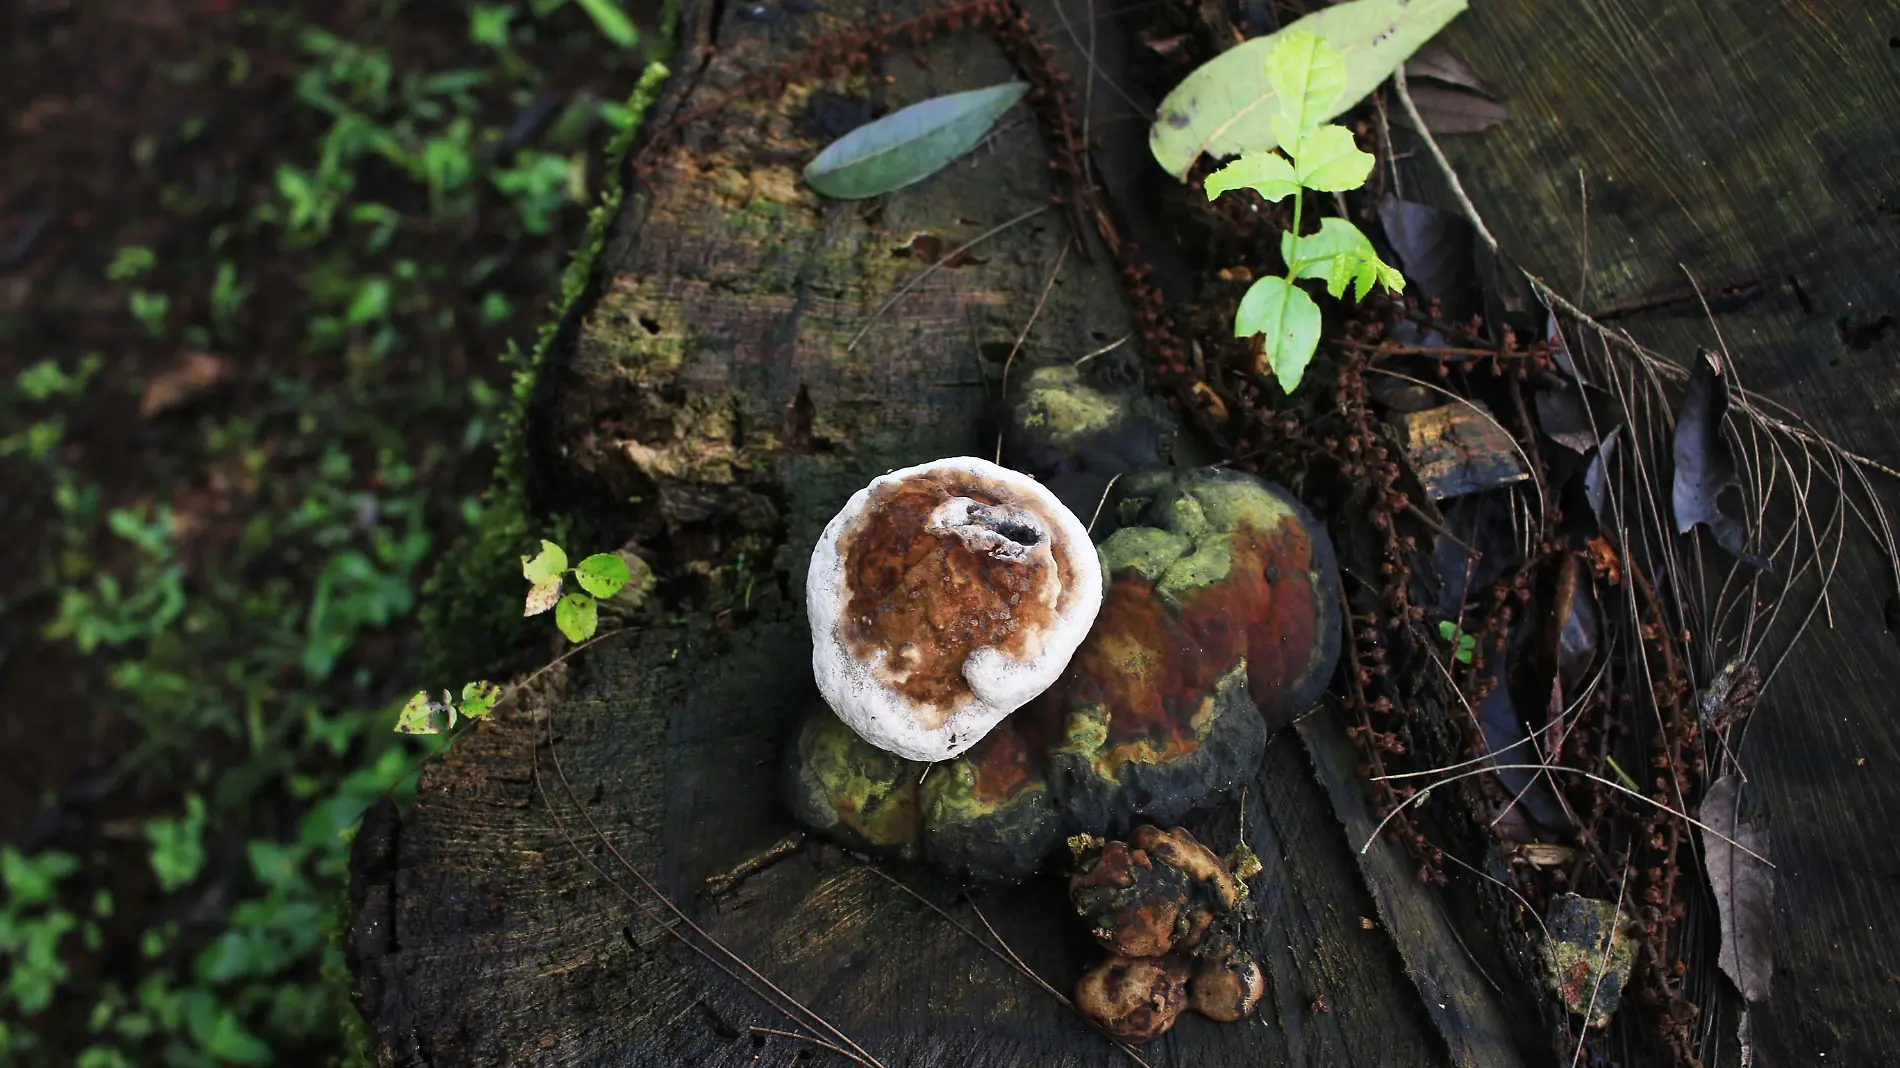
(738, 377)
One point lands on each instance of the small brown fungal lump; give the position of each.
(1166, 909)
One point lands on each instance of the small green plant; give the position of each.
(178, 845)
(130, 261)
(150, 309)
(577, 613)
(1308, 76)
(31, 927)
(1462, 644)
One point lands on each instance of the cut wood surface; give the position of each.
(716, 373)
(714, 386)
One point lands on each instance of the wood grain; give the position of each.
(1754, 148)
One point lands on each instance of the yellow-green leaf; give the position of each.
(478, 699)
(542, 596)
(602, 574)
(577, 615)
(1266, 173)
(613, 22)
(1307, 76)
(1226, 106)
(420, 716)
(1340, 255)
(1289, 320)
(546, 564)
(1329, 161)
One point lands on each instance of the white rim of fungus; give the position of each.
(999, 683)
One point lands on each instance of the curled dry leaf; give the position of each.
(1705, 463)
(1435, 62)
(1448, 109)
(1744, 890)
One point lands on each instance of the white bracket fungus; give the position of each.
(943, 597)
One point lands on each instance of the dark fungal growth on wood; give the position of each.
(1166, 910)
(1220, 625)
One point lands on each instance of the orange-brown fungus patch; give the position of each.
(1008, 761)
(1270, 597)
(1153, 669)
(928, 600)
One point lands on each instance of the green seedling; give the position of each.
(576, 612)
(1308, 76)
(1462, 644)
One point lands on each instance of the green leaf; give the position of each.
(1307, 76)
(1329, 161)
(577, 615)
(30, 880)
(613, 22)
(541, 596)
(1341, 256)
(178, 848)
(478, 699)
(547, 564)
(910, 145)
(1266, 173)
(1226, 106)
(420, 716)
(602, 574)
(1288, 317)
(1464, 643)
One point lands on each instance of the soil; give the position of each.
(113, 115)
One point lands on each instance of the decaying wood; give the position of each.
(715, 381)
(714, 391)
(1746, 149)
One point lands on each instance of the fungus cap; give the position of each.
(942, 598)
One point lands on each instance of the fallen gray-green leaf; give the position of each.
(910, 145)
(1227, 105)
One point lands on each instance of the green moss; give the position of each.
(1207, 565)
(1228, 504)
(1145, 551)
(1186, 517)
(470, 616)
(849, 788)
(1063, 410)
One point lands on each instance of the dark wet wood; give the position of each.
(1753, 147)
(715, 375)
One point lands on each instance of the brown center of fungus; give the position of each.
(941, 565)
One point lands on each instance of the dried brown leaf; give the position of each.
(1435, 62)
(1744, 890)
(1448, 109)
(190, 374)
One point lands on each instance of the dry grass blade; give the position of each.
(1603, 967)
(1034, 314)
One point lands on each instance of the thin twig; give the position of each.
(1047, 285)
